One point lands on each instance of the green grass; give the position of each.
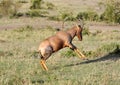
(18, 65)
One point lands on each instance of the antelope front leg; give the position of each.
(42, 62)
(75, 49)
(80, 54)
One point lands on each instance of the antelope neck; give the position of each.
(72, 32)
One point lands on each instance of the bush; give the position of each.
(63, 16)
(93, 16)
(5, 7)
(36, 13)
(67, 16)
(50, 5)
(112, 12)
(88, 15)
(82, 15)
(8, 7)
(36, 4)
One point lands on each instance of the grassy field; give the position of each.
(19, 64)
(20, 38)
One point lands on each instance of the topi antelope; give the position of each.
(58, 41)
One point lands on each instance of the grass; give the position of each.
(19, 65)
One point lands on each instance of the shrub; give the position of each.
(93, 16)
(50, 5)
(63, 16)
(5, 7)
(36, 4)
(8, 7)
(88, 15)
(36, 13)
(67, 16)
(112, 11)
(108, 15)
(82, 15)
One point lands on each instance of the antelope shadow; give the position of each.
(113, 56)
(38, 81)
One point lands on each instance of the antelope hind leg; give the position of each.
(42, 62)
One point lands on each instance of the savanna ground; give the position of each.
(19, 62)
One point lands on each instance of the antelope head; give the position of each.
(79, 29)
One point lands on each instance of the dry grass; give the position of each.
(18, 65)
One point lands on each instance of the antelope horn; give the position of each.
(63, 22)
(80, 22)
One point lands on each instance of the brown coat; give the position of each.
(58, 41)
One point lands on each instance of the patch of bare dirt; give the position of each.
(43, 22)
(104, 27)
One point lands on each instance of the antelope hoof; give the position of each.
(85, 59)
